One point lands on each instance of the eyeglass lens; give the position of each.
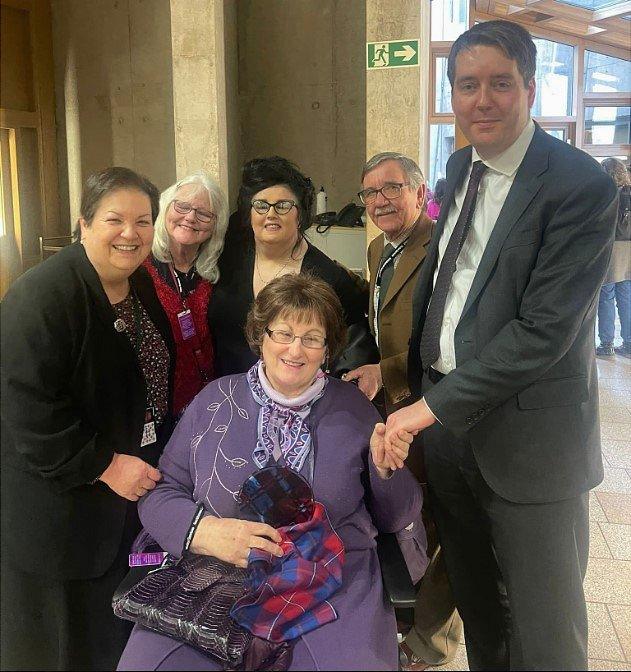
(389, 191)
(281, 207)
(202, 215)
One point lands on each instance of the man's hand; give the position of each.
(368, 379)
(412, 419)
(230, 539)
(386, 462)
(130, 477)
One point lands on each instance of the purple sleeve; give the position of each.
(396, 507)
(169, 509)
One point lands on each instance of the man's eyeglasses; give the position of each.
(281, 207)
(277, 496)
(285, 337)
(389, 191)
(204, 216)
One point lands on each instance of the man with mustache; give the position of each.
(393, 191)
(502, 362)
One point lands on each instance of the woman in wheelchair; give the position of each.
(285, 413)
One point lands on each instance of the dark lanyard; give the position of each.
(137, 313)
(195, 342)
(390, 259)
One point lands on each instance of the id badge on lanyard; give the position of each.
(149, 435)
(187, 325)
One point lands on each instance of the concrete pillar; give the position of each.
(199, 88)
(397, 98)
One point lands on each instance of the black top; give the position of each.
(233, 295)
(73, 393)
(188, 280)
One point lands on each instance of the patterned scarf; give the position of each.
(289, 596)
(283, 420)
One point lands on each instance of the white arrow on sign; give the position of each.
(407, 53)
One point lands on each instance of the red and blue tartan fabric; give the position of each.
(288, 596)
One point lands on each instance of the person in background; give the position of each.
(86, 374)
(435, 202)
(275, 208)
(502, 362)
(393, 191)
(617, 286)
(328, 432)
(189, 236)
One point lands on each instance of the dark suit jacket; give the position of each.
(525, 388)
(72, 395)
(396, 309)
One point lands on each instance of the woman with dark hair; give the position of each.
(286, 411)
(265, 240)
(617, 286)
(86, 377)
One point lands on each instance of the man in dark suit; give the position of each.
(502, 360)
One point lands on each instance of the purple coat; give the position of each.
(208, 458)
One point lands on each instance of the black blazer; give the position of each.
(525, 389)
(233, 296)
(72, 395)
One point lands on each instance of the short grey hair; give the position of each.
(209, 250)
(413, 174)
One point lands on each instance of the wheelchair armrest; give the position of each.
(397, 582)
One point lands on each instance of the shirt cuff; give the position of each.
(432, 412)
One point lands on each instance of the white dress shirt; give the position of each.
(494, 187)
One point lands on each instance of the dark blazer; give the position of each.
(396, 309)
(525, 389)
(72, 395)
(233, 296)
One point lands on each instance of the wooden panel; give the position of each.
(16, 67)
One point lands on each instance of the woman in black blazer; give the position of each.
(264, 241)
(86, 375)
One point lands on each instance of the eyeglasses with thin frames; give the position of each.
(280, 207)
(286, 338)
(389, 191)
(201, 215)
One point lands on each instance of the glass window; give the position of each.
(554, 76)
(556, 133)
(606, 74)
(441, 147)
(594, 5)
(449, 19)
(607, 125)
(442, 100)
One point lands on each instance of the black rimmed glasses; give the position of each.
(277, 496)
(390, 191)
(201, 215)
(281, 207)
(286, 338)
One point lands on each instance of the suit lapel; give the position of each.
(527, 183)
(457, 171)
(412, 255)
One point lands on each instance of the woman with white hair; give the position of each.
(188, 239)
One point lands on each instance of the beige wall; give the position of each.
(114, 92)
(302, 88)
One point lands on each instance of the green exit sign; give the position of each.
(397, 54)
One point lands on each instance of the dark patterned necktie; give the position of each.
(430, 338)
(387, 272)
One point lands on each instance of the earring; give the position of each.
(325, 364)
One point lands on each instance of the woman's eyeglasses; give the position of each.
(281, 207)
(389, 191)
(277, 496)
(285, 337)
(201, 215)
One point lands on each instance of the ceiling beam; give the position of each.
(609, 12)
